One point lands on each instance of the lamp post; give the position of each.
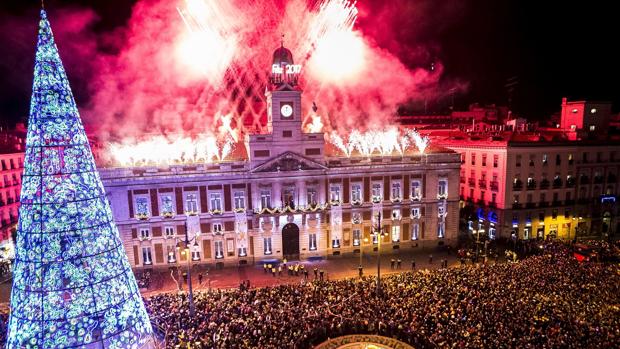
(378, 233)
(362, 253)
(189, 267)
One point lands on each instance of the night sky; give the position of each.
(553, 51)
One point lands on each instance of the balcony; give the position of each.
(530, 205)
(598, 180)
(544, 184)
(482, 183)
(557, 183)
(543, 204)
(569, 202)
(492, 204)
(570, 182)
(556, 203)
(531, 185)
(516, 206)
(494, 185)
(472, 182)
(480, 203)
(611, 178)
(584, 180)
(463, 180)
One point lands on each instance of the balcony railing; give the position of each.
(482, 183)
(569, 202)
(531, 185)
(516, 205)
(544, 184)
(543, 204)
(598, 180)
(570, 183)
(584, 180)
(492, 204)
(611, 178)
(494, 185)
(556, 203)
(463, 180)
(517, 185)
(530, 205)
(557, 183)
(480, 202)
(472, 182)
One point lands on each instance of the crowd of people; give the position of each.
(548, 300)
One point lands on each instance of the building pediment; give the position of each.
(287, 162)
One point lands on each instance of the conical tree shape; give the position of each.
(72, 285)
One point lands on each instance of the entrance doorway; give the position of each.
(290, 241)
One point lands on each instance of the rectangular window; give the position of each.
(544, 159)
(442, 188)
(396, 195)
(166, 205)
(289, 197)
(172, 257)
(415, 212)
(376, 192)
(484, 159)
(239, 197)
(195, 253)
(142, 206)
(518, 161)
(265, 199)
(532, 159)
(495, 160)
(558, 160)
(145, 233)
(313, 151)
(356, 192)
(441, 229)
(217, 228)
(243, 251)
(473, 158)
(570, 159)
(396, 213)
(357, 237)
(287, 134)
(416, 190)
(493, 197)
(169, 231)
(219, 249)
(311, 197)
(261, 153)
(336, 243)
(415, 231)
(312, 242)
(216, 201)
(334, 193)
(267, 245)
(191, 203)
(146, 256)
(395, 233)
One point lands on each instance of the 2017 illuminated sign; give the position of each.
(290, 69)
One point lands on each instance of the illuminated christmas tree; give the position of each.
(72, 284)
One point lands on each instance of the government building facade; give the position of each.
(290, 195)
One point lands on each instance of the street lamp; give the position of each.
(365, 240)
(378, 232)
(187, 241)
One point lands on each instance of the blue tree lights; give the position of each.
(72, 285)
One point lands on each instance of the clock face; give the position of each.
(286, 110)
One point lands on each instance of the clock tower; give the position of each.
(284, 116)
